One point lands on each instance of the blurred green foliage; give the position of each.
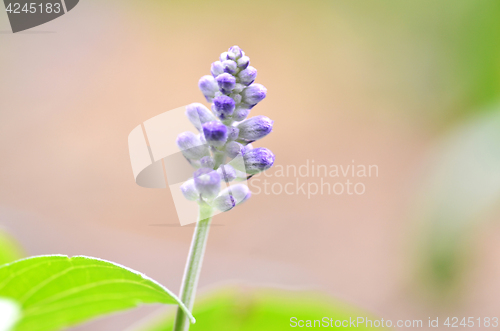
(463, 186)
(242, 309)
(10, 250)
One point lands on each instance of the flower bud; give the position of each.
(217, 68)
(207, 182)
(238, 88)
(207, 162)
(247, 76)
(258, 159)
(215, 133)
(224, 202)
(223, 56)
(255, 128)
(208, 87)
(234, 53)
(254, 94)
(226, 82)
(191, 146)
(229, 66)
(232, 133)
(226, 172)
(239, 192)
(243, 62)
(247, 148)
(223, 106)
(236, 97)
(199, 114)
(233, 149)
(189, 190)
(241, 112)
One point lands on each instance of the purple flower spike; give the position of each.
(199, 114)
(226, 82)
(254, 94)
(255, 128)
(247, 76)
(223, 106)
(217, 68)
(215, 133)
(207, 182)
(243, 62)
(258, 160)
(229, 66)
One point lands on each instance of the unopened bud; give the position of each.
(191, 146)
(217, 68)
(254, 94)
(198, 114)
(258, 160)
(207, 182)
(223, 106)
(189, 190)
(208, 87)
(255, 128)
(247, 76)
(215, 133)
(226, 82)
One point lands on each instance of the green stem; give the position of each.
(193, 266)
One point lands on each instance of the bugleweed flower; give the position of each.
(226, 133)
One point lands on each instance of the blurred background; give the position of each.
(410, 86)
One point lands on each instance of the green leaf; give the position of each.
(10, 250)
(263, 310)
(57, 291)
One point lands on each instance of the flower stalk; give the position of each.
(193, 266)
(223, 131)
